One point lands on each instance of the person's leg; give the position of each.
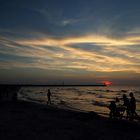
(111, 114)
(49, 100)
(127, 113)
(132, 112)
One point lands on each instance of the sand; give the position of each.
(26, 120)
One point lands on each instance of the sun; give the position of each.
(107, 83)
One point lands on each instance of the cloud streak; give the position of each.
(60, 54)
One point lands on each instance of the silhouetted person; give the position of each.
(117, 100)
(132, 105)
(49, 96)
(14, 97)
(112, 108)
(14, 90)
(127, 105)
(1, 91)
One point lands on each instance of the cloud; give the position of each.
(63, 54)
(56, 17)
(66, 22)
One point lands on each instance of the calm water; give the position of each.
(80, 98)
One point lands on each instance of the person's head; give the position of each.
(112, 102)
(124, 96)
(131, 94)
(117, 99)
(48, 90)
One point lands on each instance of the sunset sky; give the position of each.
(71, 41)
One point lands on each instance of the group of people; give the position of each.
(129, 105)
(9, 92)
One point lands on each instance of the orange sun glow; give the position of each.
(107, 83)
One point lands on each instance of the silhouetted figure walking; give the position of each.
(49, 96)
(127, 105)
(117, 100)
(132, 105)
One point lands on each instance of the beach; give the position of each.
(28, 120)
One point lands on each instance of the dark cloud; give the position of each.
(61, 18)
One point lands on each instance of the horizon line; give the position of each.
(52, 85)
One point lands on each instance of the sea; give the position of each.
(84, 98)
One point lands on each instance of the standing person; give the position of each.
(132, 105)
(49, 96)
(127, 105)
(112, 108)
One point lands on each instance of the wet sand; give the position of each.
(26, 120)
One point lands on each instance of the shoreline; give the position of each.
(28, 120)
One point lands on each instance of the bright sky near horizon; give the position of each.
(71, 41)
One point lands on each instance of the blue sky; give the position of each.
(76, 41)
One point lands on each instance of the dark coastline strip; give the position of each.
(39, 85)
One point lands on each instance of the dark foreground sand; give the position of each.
(26, 120)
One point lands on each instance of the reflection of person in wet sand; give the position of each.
(49, 96)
